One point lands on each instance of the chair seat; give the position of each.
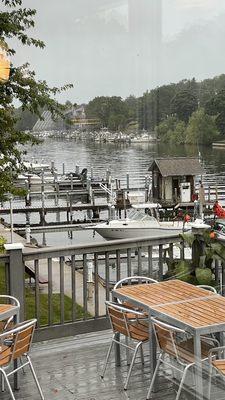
(220, 365)
(186, 352)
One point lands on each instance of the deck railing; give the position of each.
(65, 288)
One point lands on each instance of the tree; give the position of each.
(201, 128)
(216, 106)
(183, 104)
(33, 95)
(111, 111)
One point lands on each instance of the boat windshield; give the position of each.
(140, 216)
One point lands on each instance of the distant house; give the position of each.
(173, 179)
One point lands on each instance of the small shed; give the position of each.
(173, 178)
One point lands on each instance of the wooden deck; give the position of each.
(69, 369)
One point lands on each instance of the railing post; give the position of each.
(16, 274)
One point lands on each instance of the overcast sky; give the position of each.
(90, 43)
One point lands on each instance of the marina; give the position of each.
(61, 195)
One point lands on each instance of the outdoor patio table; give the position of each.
(7, 311)
(181, 304)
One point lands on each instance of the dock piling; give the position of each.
(128, 182)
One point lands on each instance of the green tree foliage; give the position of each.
(201, 128)
(111, 111)
(183, 104)
(33, 95)
(216, 106)
(25, 119)
(154, 106)
(171, 130)
(132, 104)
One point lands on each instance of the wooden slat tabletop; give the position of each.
(197, 313)
(193, 306)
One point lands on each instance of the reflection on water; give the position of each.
(122, 158)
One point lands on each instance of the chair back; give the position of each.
(13, 301)
(207, 287)
(16, 342)
(134, 280)
(121, 323)
(10, 299)
(166, 338)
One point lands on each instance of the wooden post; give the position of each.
(52, 167)
(16, 274)
(71, 181)
(63, 169)
(89, 189)
(42, 213)
(42, 181)
(77, 169)
(216, 193)
(128, 182)
(67, 206)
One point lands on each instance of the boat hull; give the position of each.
(126, 233)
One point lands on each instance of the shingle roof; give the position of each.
(177, 166)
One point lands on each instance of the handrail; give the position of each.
(111, 245)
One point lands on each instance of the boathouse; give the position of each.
(173, 179)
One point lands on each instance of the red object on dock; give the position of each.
(218, 210)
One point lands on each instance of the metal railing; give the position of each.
(65, 288)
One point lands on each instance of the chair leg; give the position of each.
(131, 365)
(35, 377)
(8, 384)
(142, 355)
(210, 380)
(2, 383)
(154, 376)
(107, 357)
(127, 350)
(182, 381)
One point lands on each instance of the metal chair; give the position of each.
(16, 344)
(182, 351)
(207, 287)
(136, 330)
(132, 280)
(216, 362)
(12, 300)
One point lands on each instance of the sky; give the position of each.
(105, 50)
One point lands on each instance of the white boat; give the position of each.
(138, 224)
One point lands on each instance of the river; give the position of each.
(120, 159)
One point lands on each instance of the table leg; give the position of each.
(198, 378)
(152, 348)
(117, 351)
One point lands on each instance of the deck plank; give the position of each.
(69, 369)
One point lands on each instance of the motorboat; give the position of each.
(138, 224)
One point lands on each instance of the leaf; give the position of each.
(188, 238)
(204, 276)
